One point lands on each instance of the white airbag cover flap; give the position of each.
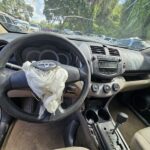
(47, 85)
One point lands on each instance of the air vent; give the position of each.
(113, 52)
(98, 50)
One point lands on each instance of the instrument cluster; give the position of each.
(46, 53)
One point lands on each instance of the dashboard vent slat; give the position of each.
(98, 50)
(113, 52)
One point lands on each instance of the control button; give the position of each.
(116, 87)
(95, 87)
(106, 88)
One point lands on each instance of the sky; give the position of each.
(38, 6)
(122, 1)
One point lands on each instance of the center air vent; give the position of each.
(113, 52)
(98, 50)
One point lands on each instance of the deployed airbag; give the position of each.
(47, 85)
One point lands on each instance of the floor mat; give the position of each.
(30, 136)
(133, 123)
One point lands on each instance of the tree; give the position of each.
(88, 16)
(135, 19)
(17, 8)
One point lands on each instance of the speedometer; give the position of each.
(63, 58)
(48, 55)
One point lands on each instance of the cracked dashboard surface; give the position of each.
(113, 69)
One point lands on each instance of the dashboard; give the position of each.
(112, 68)
(105, 61)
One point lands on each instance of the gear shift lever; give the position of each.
(121, 118)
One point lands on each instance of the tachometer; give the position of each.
(30, 54)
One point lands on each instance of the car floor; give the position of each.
(32, 136)
(133, 123)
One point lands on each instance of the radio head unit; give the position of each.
(107, 66)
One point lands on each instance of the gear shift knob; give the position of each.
(121, 118)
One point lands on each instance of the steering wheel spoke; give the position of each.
(18, 80)
(74, 74)
(5, 73)
(41, 112)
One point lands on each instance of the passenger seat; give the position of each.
(141, 140)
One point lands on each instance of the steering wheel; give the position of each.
(10, 79)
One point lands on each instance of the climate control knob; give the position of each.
(106, 88)
(116, 87)
(95, 87)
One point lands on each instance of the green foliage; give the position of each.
(17, 8)
(108, 17)
(100, 16)
(136, 18)
(46, 25)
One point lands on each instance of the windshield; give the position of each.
(123, 23)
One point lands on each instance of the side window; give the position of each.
(8, 20)
(2, 19)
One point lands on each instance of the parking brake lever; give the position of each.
(121, 118)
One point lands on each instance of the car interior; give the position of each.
(105, 102)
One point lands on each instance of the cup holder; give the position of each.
(91, 116)
(103, 114)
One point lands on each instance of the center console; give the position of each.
(107, 69)
(108, 66)
(107, 139)
(101, 127)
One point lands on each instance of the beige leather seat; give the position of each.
(141, 140)
(72, 148)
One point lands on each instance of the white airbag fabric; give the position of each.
(47, 85)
